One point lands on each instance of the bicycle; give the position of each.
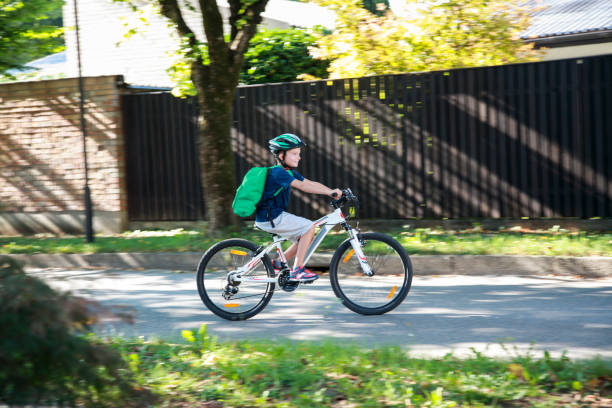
(370, 272)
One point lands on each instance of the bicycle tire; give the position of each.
(383, 291)
(213, 268)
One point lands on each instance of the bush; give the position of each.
(281, 56)
(45, 355)
(278, 55)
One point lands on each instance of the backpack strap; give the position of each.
(276, 193)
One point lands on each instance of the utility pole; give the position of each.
(86, 192)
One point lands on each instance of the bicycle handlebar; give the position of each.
(347, 196)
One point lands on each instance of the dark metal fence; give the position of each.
(526, 140)
(162, 168)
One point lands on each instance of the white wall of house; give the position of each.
(576, 51)
(144, 57)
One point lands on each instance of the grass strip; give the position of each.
(204, 372)
(552, 242)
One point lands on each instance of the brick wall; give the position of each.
(41, 155)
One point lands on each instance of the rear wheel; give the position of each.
(385, 289)
(226, 297)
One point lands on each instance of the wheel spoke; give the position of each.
(214, 286)
(388, 285)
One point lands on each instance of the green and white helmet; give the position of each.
(284, 142)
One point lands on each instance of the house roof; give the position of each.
(57, 58)
(49, 65)
(568, 17)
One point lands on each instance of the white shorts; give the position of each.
(287, 225)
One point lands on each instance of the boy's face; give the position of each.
(292, 157)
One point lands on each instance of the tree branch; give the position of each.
(252, 16)
(234, 17)
(213, 28)
(171, 10)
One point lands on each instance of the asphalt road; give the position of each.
(496, 315)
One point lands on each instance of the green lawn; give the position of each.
(56, 362)
(554, 242)
(304, 374)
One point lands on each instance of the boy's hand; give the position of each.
(336, 193)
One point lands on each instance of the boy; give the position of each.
(271, 215)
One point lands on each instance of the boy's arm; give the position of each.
(309, 186)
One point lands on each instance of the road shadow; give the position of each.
(439, 314)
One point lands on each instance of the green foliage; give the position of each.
(180, 71)
(278, 55)
(507, 242)
(203, 371)
(281, 56)
(424, 36)
(321, 374)
(43, 359)
(377, 7)
(422, 241)
(29, 29)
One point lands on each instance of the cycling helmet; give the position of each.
(284, 142)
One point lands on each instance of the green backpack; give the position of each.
(249, 193)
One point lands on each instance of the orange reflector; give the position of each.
(236, 252)
(348, 256)
(231, 305)
(392, 292)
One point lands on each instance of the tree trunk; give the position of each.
(216, 84)
(216, 98)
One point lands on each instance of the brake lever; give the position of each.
(335, 202)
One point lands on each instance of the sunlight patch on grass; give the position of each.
(420, 241)
(308, 374)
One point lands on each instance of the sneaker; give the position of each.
(278, 266)
(301, 274)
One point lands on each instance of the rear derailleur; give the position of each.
(229, 291)
(231, 288)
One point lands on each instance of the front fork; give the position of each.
(356, 244)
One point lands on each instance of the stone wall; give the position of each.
(41, 156)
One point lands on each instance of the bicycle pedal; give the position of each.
(290, 287)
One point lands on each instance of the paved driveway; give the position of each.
(440, 314)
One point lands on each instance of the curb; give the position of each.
(588, 267)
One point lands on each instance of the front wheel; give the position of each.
(225, 297)
(385, 289)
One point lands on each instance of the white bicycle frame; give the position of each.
(327, 223)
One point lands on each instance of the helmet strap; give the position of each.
(281, 161)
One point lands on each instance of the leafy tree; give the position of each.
(277, 55)
(215, 75)
(425, 36)
(29, 29)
